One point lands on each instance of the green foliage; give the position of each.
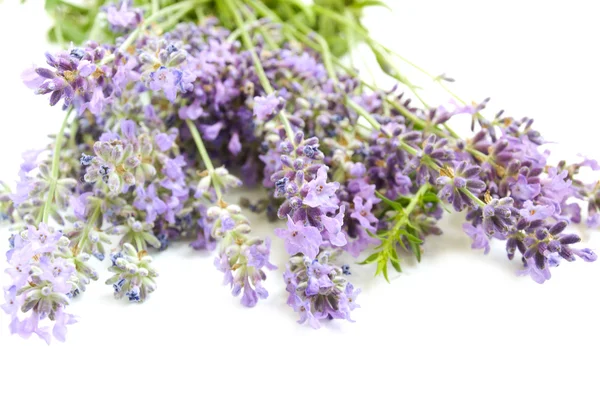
(78, 21)
(404, 231)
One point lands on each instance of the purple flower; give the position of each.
(320, 193)
(585, 254)
(169, 80)
(521, 189)
(466, 177)
(557, 186)
(165, 141)
(148, 200)
(477, 234)
(363, 213)
(300, 238)
(192, 111)
(593, 164)
(498, 217)
(272, 160)
(235, 146)
(210, 132)
(351, 295)
(126, 74)
(97, 103)
(533, 212)
(123, 18)
(333, 228)
(31, 79)
(306, 315)
(258, 255)
(593, 221)
(360, 243)
(317, 290)
(265, 108)
(539, 275)
(11, 304)
(39, 295)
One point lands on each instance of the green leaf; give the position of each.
(382, 267)
(411, 237)
(430, 197)
(394, 260)
(416, 249)
(393, 204)
(377, 236)
(370, 3)
(371, 258)
(382, 60)
(415, 246)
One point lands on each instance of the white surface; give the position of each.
(459, 327)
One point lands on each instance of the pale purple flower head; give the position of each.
(321, 193)
(148, 200)
(265, 108)
(170, 81)
(521, 189)
(531, 211)
(123, 18)
(477, 234)
(333, 228)
(299, 238)
(362, 212)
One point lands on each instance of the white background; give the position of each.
(459, 327)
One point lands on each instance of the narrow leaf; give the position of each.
(395, 205)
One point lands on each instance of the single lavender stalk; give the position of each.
(240, 257)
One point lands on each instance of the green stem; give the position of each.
(260, 72)
(58, 32)
(96, 27)
(73, 133)
(351, 40)
(88, 227)
(326, 53)
(54, 168)
(267, 38)
(139, 243)
(184, 5)
(204, 155)
(409, 149)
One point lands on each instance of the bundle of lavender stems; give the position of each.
(164, 120)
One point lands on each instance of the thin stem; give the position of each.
(96, 27)
(59, 33)
(88, 227)
(199, 14)
(54, 168)
(260, 72)
(267, 38)
(187, 5)
(409, 149)
(326, 53)
(204, 155)
(73, 133)
(138, 243)
(351, 40)
(155, 6)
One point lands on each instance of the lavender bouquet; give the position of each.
(171, 105)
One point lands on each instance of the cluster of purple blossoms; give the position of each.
(42, 283)
(240, 257)
(122, 17)
(314, 217)
(155, 112)
(317, 290)
(525, 203)
(134, 276)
